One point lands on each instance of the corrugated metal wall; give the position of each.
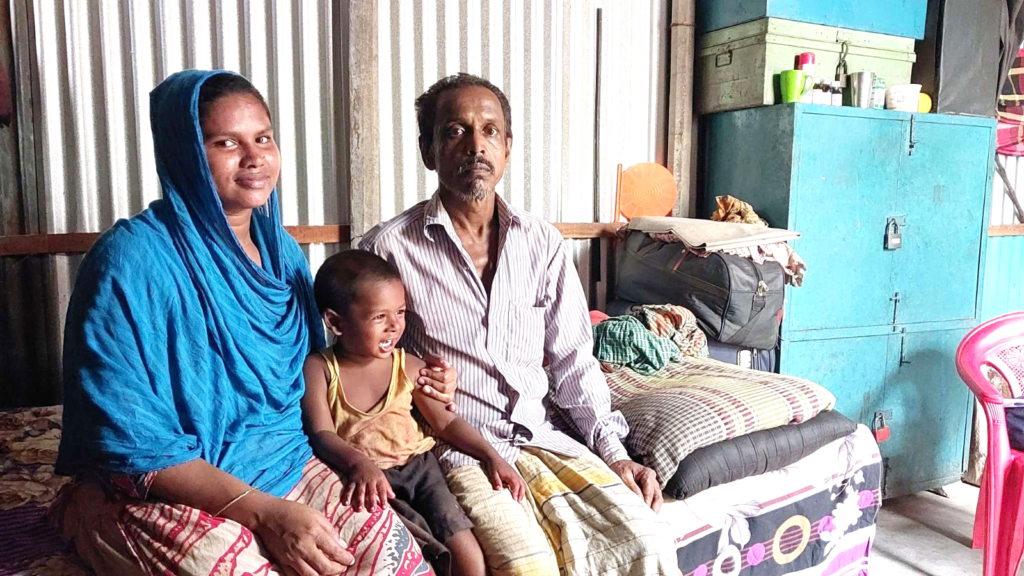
(587, 82)
(1004, 263)
(587, 92)
(84, 70)
(543, 55)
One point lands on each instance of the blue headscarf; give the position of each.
(177, 345)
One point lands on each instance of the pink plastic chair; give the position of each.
(999, 522)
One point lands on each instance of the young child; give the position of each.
(358, 412)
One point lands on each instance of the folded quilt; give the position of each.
(697, 402)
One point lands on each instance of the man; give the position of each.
(492, 289)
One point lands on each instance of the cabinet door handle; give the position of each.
(903, 348)
(912, 143)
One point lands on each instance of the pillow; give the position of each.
(756, 453)
(697, 402)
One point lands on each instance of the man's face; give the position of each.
(470, 148)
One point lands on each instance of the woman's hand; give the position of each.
(502, 475)
(367, 487)
(299, 539)
(438, 379)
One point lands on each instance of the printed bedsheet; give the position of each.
(815, 517)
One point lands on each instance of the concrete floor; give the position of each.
(928, 535)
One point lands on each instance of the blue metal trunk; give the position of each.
(894, 17)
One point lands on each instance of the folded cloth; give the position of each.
(735, 210)
(577, 518)
(792, 264)
(677, 324)
(711, 235)
(625, 341)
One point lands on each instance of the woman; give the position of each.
(184, 346)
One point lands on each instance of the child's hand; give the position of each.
(504, 476)
(367, 486)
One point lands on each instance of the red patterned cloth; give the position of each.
(1010, 131)
(118, 536)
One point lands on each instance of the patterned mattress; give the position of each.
(814, 517)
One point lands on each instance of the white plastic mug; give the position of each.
(903, 97)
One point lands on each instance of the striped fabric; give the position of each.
(698, 402)
(152, 537)
(577, 519)
(536, 309)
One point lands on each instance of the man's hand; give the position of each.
(641, 480)
(438, 380)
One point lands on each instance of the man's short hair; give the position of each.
(426, 104)
(339, 278)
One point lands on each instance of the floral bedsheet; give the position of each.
(28, 450)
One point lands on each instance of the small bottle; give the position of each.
(821, 95)
(878, 93)
(837, 94)
(805, 62)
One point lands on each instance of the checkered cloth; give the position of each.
(695, 402)
(577, 519)
(677, 324)
(625, 341)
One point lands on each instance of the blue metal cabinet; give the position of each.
(878, 327)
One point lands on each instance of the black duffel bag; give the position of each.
(735, 301)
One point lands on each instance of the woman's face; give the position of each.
(241, 150)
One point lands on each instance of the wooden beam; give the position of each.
(29, 244)
(587, 231)
(326, 234)
(1007, 230)
(80, 242)
(680, 104)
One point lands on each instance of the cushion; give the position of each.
(756, 453)
(697, 402)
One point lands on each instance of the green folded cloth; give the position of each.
(625, 341)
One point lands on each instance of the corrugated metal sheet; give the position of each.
(1004, 263)
(1002, 206)
(1004, 276)
(587, 82)
(587, 92)
(85, 69)
(544, 55)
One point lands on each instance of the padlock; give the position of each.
(881, 429)
(893, 237)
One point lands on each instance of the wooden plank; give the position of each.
(80, 242)
(326, 234)
(1007, 230)
(29, 244)
(588, 230)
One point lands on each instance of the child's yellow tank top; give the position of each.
(388, 434)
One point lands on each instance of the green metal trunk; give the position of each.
(739, 67)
